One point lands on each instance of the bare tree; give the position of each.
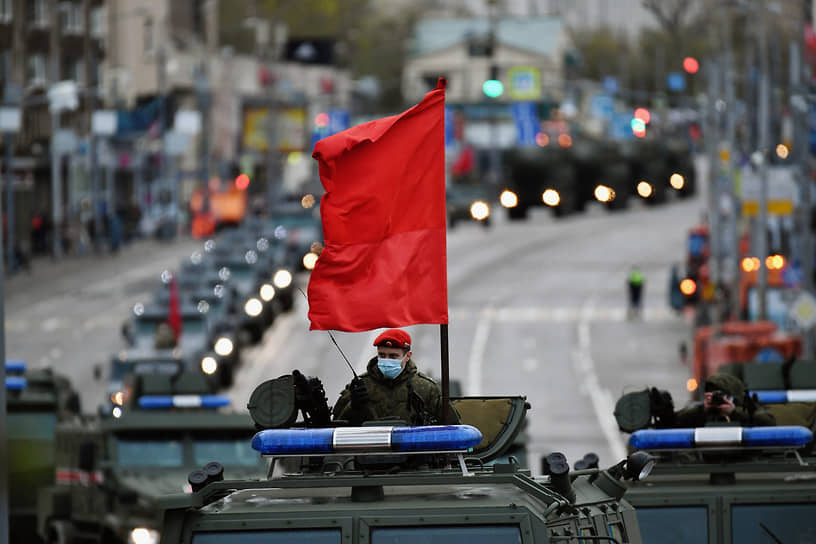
(672, 15)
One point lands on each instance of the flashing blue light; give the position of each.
(781, 396)
(15, 365)
(293, 441)
(15, 383)
(437, 437)
(654, 439)
(183, 401)
(662, 439)
(366, 440)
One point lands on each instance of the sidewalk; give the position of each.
(50, 277)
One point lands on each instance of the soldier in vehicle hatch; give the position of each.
(725, 401)
(392, 387)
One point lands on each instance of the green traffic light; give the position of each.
(492, 88)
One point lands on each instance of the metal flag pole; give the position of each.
(443, 341)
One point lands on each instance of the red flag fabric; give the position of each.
(384, 261)
(174, 313)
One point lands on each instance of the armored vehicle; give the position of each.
(389, 482)
(541, 176)
(725, 483)
(111, 471)
(467, 202)
(36, 399)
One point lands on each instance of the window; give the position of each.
(292, 536)
(74, 69)
(466, 534)
(773, 523)
(99, 22)
(35, 69)
(148, 38)
(37, 12)
(149, 453)
(71, 21)
(673, 524)
(230, 453)
(6, 12)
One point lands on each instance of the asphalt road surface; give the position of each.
(537, 308)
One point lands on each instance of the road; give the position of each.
(536, 308)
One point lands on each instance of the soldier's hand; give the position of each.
(359, 394)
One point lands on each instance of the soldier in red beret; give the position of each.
(392, 387)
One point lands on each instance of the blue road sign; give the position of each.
(676, 81)
(620, 127)
(792, 275)
(526, 118)
(610, 84)
(450, 129)
(602, 105)
(339, 120)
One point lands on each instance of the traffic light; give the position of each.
(691, 65)
(242, 182)
(493, 87)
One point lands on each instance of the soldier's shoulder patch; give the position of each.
(425, 377)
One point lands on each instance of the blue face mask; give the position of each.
(390, 367)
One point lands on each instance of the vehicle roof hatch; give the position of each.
(499, 419)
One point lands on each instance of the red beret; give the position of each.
(394, 338)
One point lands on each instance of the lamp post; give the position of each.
(10, 118)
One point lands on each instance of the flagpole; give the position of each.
(443, 341)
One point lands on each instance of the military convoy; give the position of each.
(567, 175)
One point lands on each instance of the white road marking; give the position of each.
(476, 359)
(601, 398)
(566, 314)
(51, 324)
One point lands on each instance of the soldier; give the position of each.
(164, 338)
(725, 401)
(392, 387)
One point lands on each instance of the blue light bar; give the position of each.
(15, 365)
(782, 396)
(432, 438)
(657, 439)
(15, 383)
(436, 437)
(183, 401)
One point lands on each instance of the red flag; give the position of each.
(384, 262)
(174, 314)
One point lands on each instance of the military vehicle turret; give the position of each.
(389, 482)
(111, 471)
(36, 399)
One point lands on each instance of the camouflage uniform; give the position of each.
(389, 398)
(696, 416)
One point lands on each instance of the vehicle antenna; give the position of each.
(333, 340)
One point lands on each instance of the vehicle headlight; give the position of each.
(604, 193)
(267, 292)
(508, 199)
(309, 261)
(253, 307)
(282, 279)
(117, 412)
(644, 189)
(118, 398)
(209, 365)
(143, 535)
(551, 197)
(479, 210)
(223, 346)
(677, 181)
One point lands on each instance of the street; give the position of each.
(537, 308)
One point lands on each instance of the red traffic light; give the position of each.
(321, 119)
(643, 114)
(691, 65)
(242, 182)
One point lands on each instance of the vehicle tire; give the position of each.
(517, 213)
(60, 532)
(227, 377)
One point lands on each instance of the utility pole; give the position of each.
(762, 159)
(736, 205)
(713, 69)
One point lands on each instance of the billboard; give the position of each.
(291, 128)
